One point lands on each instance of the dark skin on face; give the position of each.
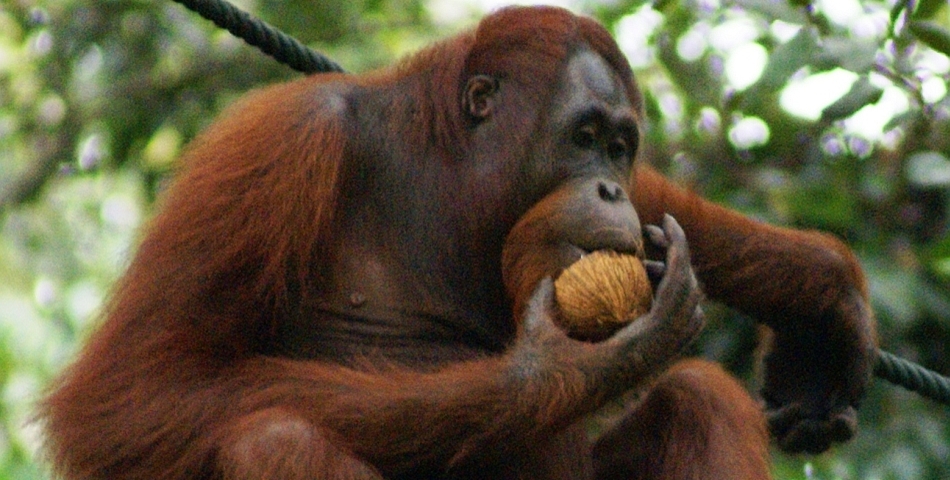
(596, 137)
(351, 278)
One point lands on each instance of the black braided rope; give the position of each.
(913, 377)
(282, 47)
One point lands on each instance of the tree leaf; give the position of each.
(927, 8)
(784, 61)
(902, 120)
(862, 93)
(935, 36)
(788, 58)
(855, 55)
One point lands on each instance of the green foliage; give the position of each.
(884, 189)
(932, 34)
(97, 99)
(862, 94)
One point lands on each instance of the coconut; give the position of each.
(602, 292)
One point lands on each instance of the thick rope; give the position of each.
(282, 47)
(287, 50)
(913, 377)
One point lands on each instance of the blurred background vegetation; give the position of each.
(828, 114)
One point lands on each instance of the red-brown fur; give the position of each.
(696, 423)
(185, 378)
(806, 286)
